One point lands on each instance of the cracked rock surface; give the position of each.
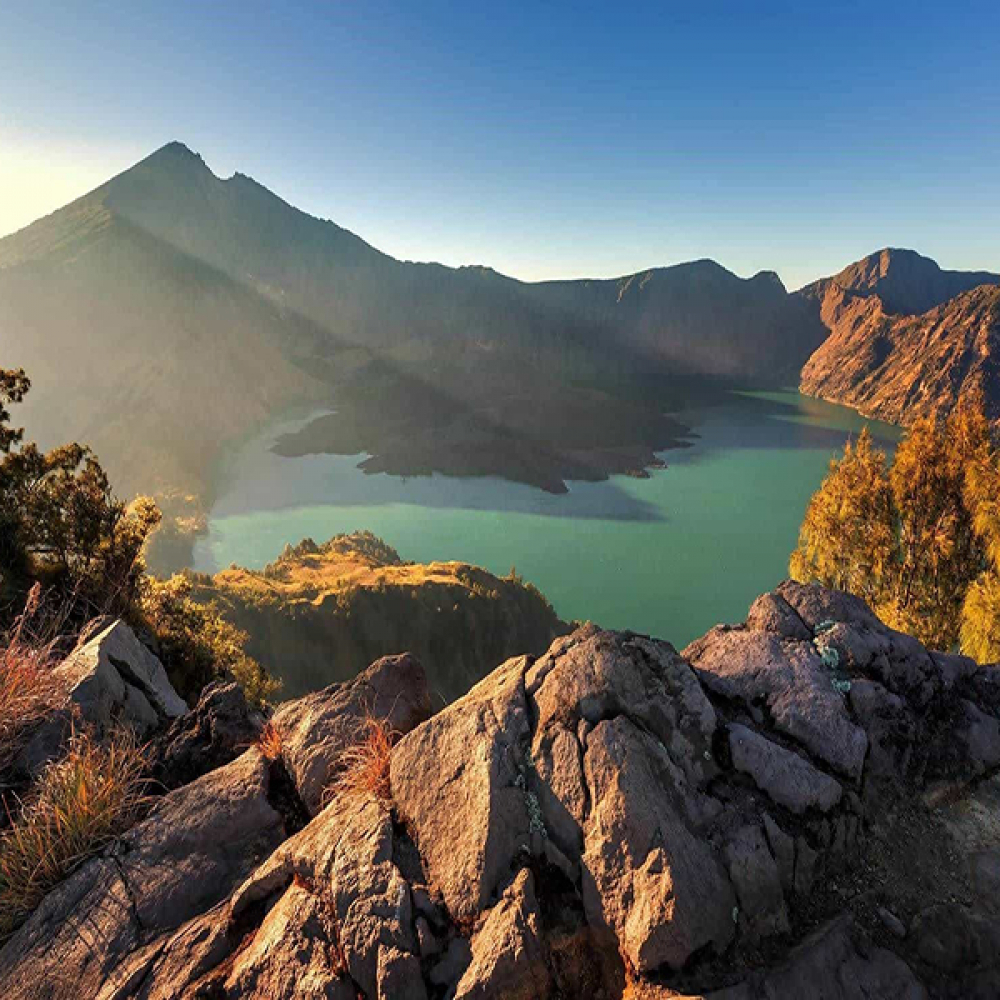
(804, 805)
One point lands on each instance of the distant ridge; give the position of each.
(905, 281)
(169, 312)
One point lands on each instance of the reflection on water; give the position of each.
(670, 555)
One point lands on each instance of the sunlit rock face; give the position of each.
(907, 339)
(805, 798)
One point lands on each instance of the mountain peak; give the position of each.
(907, 282)
(175, 155)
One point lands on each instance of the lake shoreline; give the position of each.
(668, 555)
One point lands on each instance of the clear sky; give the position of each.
(544, 139)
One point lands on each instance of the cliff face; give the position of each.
(907, 340)
(322, 613)
(803, 805)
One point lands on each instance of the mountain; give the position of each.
(904, 281)
(169, 313)
(149, 353)
(907, 339)
(322, 613)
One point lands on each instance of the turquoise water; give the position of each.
(671, 555)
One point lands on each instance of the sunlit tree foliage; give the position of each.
(918, 539)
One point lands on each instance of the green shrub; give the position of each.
(197, 645)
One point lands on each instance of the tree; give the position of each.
(61, 525)
(980, 630)
(60, 521)
(197, 642)
(917, 538)
(848, 535)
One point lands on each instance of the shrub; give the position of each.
(981, 619)
(196, 643)
(80, 803)
(61, 523)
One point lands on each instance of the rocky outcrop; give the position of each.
(315, 730)
(798, 806)
(906, 282)
(324, 612)
(216, 731)
(907, 340)
(110, 680)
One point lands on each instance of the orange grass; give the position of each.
(363, 769)
(28, 690)
(79, 804)
(270, 743)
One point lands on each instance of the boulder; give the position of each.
(115, 675)
(315, 730)
(788, 680)
(508, 954)
(216, 731)
(469, 814)
(772, 613)
(110, 680)
(289, 956)
(345, 856)
(651, 880)
(833, 965)
(787, 779)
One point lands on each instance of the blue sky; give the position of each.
(544, 139)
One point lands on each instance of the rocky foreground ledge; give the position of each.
(802, 806)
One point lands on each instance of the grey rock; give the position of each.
(467, 814)
(114, 670)
(508, 955)
(650, 880)
(316, 729)
(110, 681)
(796, 685)
(216, 731)
(892, 922)
(785, 777)
(772, 613)
(755, 875)
(186, 857)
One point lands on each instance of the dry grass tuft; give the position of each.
(363, 769)
(79, 803)
(28, 690)
(270, 743)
